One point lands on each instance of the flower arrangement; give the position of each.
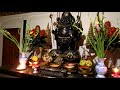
(38, 38)
(102, 35)
(34, 39)
(39, 43)
(111, 30)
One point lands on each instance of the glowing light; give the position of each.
(116, 70)
(22, 65)
(116, 73)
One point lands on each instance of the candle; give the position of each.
(115, 72)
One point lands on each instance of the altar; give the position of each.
(64, 61)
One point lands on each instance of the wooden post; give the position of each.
(24, 28)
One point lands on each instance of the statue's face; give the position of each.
(67, 19)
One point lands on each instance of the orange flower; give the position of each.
(32, 32)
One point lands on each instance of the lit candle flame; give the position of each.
(116, 70)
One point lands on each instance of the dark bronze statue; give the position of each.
(67, 37)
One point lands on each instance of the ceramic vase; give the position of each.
(100, 68)
(22, 61)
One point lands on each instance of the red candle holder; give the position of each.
(115, 73)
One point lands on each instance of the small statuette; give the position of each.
(110, 63)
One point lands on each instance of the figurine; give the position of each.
(67, 36)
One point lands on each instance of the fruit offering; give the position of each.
(47, 58)
(34, 58)
(85, 67)
(34, 61)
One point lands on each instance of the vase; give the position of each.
(22, 61)
(100, 68)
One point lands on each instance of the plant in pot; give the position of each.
(23, 49)
(100, 40)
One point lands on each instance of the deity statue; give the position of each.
(67, 36)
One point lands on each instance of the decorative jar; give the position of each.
(100, 68)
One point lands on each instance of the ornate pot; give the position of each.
(100, 68)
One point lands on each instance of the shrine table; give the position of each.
(12, 72)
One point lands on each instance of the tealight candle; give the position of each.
(115, 72)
